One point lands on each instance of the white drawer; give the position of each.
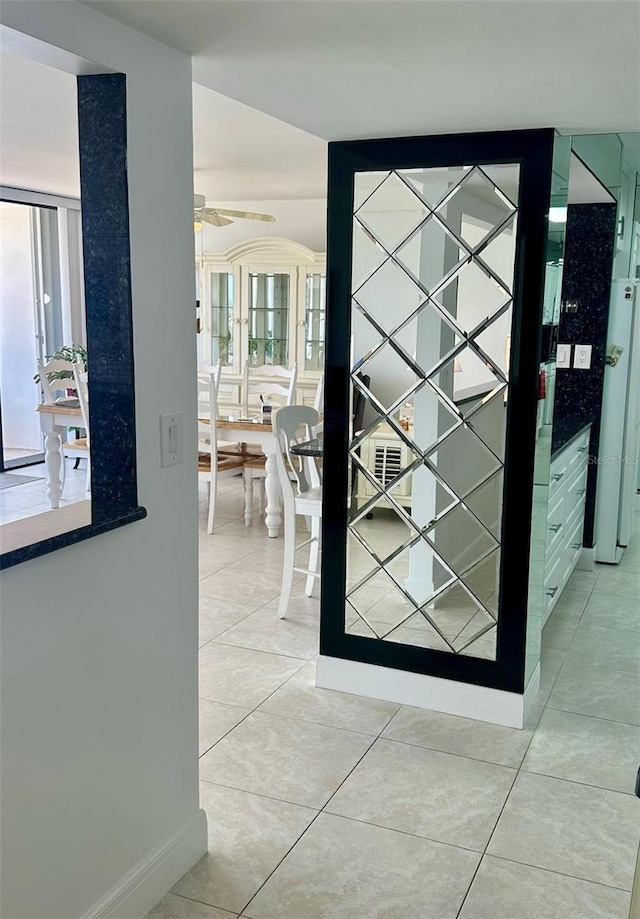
(556, 523)
(578, 451)
(568, 460)
(558, 474)
(576, 488)
(573, 544)
(553, 584)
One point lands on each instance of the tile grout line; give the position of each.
(379, 736)
(571, 877)
(322, 810)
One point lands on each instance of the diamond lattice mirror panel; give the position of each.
(433, 260)
(439, 383)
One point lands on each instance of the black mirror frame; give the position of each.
(533, 150)
(102, 128)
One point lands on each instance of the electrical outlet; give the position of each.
(582, 357)
(563, 356)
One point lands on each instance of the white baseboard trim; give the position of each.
(587, 559)
(140, 889)
(531, 692)
(454, 698)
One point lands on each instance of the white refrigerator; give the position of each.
(619, 453)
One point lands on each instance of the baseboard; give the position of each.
(587, 559)
(449, 696)
(531, 692)
(149, 880)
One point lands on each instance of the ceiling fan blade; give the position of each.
(245, 215)
(208, 215)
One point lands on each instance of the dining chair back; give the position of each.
(81, 379)
(318, 399)
(212, 465)
(294, 424)
(269, 383)
(56, 390)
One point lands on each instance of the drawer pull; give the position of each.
(555, 527)
(581, 491)
(552, 591)
(582, 449)
(557, 476)
(576, 545)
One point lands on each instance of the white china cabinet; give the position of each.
(263, 301)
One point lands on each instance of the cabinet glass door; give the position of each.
(315, 302)
(222, 306)
(269, 300)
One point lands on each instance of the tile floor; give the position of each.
(22, 501)
(324, 805)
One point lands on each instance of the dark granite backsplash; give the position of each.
(588, 260)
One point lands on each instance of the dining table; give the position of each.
(261, 433)
(313, 447)
(55, 418)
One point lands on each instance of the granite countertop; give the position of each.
(565, 430)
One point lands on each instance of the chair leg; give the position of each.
(287, 566)
(248, 497)
(314, 555)
(213, 492)
(262, 495)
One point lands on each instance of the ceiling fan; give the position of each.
(219, 217)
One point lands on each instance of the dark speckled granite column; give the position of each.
(102, 122)
(588, 260)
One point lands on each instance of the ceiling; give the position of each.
(584, 187)
(337, 70)
(38, 127)
(240, 154)
(357, 69)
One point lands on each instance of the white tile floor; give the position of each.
(22, 501)
(324, 805)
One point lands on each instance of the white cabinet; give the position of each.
(263, 302)
(385, 455)
(565, 517)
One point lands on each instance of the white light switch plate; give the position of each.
(582, 357)
(171, 439)
(563, 356)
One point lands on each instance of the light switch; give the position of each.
(582, 357)
(171, 439)
(563, 356)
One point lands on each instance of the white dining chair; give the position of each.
(212, 464)
(294, 424)
(318, 399)
(274, 384)
(81, 379)
(269, 383)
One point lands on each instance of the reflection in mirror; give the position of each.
(432, 273)
(544, 429)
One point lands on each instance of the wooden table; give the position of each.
(258, 433)
(55, 418)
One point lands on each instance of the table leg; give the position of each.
(53, 461)
(272, 487)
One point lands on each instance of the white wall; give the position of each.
(99, 641)
(19, 393)
(304, 221)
